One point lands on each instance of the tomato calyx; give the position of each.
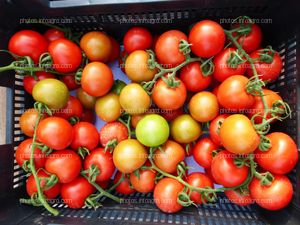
(245, 25)
(78, 76)
(110, 145)
(83, 152)
(266, 178)
(125, 118)
(184, 198)
(184, 47)
(182, 169)
(235, 59)
(267, 54)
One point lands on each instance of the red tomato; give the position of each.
(65, 164)
(238, 198)
(23, 153)
(122, 60)
(166, 193)
(282, 157)
(54, 34)
(137, 38)
(232, 93)
(75, 192)
(266, 71)
(258, 107)
(170, 115)
(72, 109)
(29, 81)
(145, 182)
(209, 174)
(85, 135)
(272, 197)
(88, 115)
(214, 128)
(124, 186)
(199, 180)
(222, 69)
(250, 42)
(207, 38)
(193, 78)
(70, 82)
(167, 48)
(225, 172)
(113, 131)
(115, 51)
(28, 43)
(66, 55)
(97, 79)
(203, 152)
(55, 132)
(169, 98)
(50, 193)
(104, 162)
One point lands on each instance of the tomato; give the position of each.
(137, 38)
(104, 184)
(108, 107)
(184, 129)
(72, 109)
(118, 86)
(113, 131)
(134, 99)
(54, 34)
(55, 132)
(166, 193)
(76, 192)
(207, 38)
(270, 97)
(135, 119)
(250, 42)
(96, 45)
(222, 69)
(272, 197)
(66, 55)
(282, 157)
(88, 115)
(103, 160)
(29, 81)
(124, 186)
(170, 115)
(204, 106)
(50, 193)
(267, 71)
(199, 180)
(122, 60)
(28, 43)
(169, 98)
(193, 78)
(214, 128)
(225, 172)
(23, 153)
(152, 130)
(144, 182)
(168, 157)
(129, 155)
(65, 164)
(209, 174)
(97, 79)
(86, 100)
(167, 48)
(239, 198)
(115, 49)
(238, 135)
(28, 121)
(136, 67)
(85, 135)
(203, 152)
(70, 82)
(51, 92)
(232, 93)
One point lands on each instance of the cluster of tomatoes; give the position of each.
(153, 123)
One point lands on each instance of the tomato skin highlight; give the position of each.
(272, 197)
(282, 157)
(165, 195)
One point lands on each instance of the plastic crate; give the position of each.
(282, 33)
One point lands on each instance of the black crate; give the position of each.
(282, 33)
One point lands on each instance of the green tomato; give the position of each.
(152, 130)
(51, 92)
(184, 129)
(118, 86)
